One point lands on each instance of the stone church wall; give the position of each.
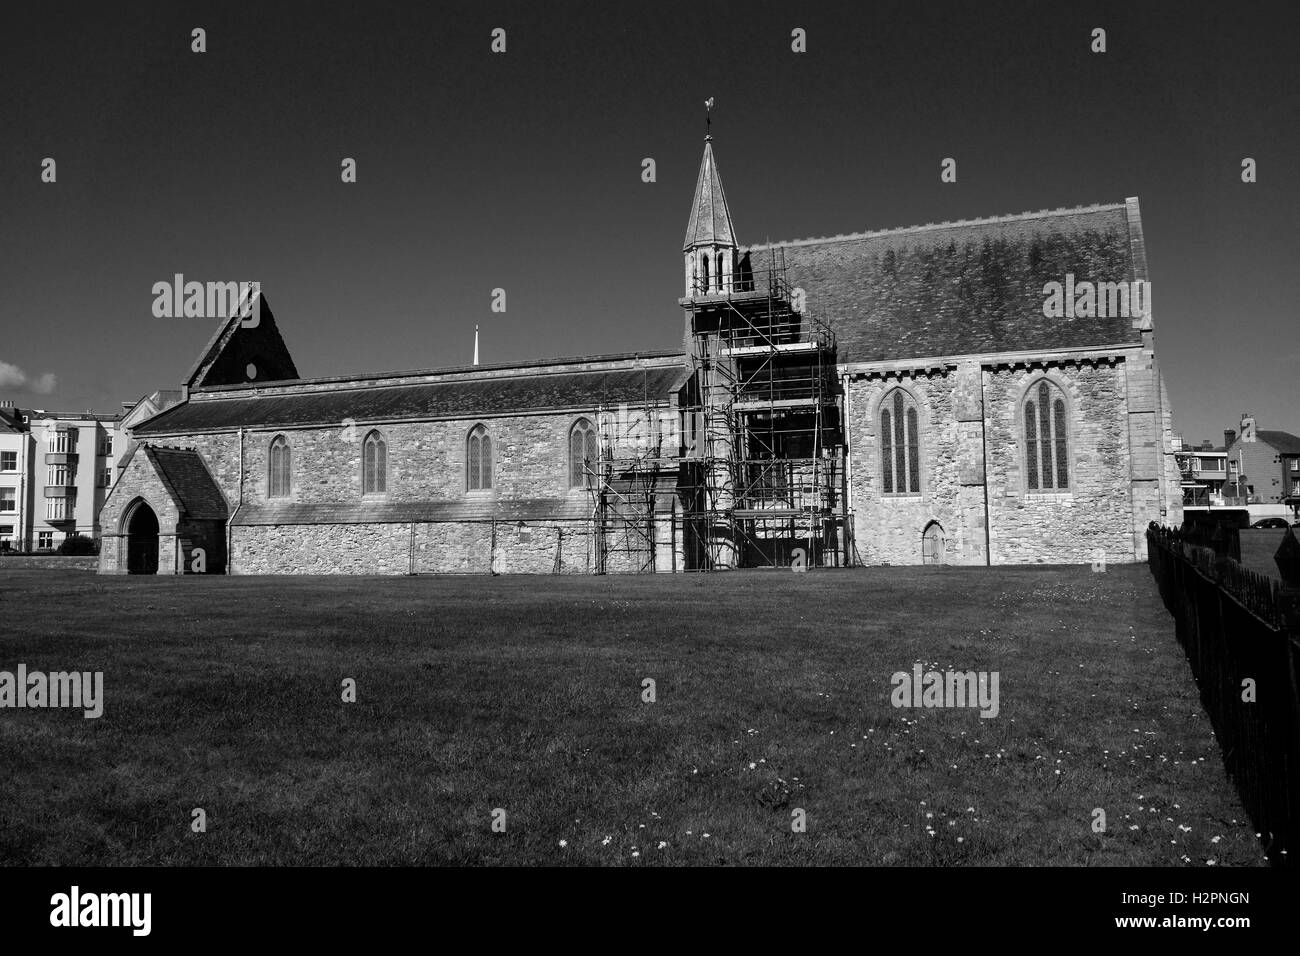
(450, 547)
(426, 460)
(889, 527)
(426, 463)
(210, 536)
(1095, 515)
(960, 423)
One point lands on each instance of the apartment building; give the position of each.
(13, 469)
(56, 468)
(1203, 469)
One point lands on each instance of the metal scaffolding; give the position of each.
(625, 492)
(770, 476)
(632, 485)
(747, 468)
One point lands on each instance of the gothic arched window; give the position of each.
(582, 453)
(900, 449)
(374, 464)
(478, 459)
(277, 483)
(1047, 458)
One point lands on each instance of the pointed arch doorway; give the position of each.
(933, 544)
(141, 540)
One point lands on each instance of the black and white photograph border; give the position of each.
(870, 521)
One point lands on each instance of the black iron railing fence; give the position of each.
(1243, 644)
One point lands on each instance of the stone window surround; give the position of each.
(491, 456)
(908, 388)
(383, 446)
(581, 419)
(887, 404)
(1062, 391)
(279, 440)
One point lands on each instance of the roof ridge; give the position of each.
(1278, 431)
(531, 367)
(897, 230)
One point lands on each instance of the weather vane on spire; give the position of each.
(708, 119)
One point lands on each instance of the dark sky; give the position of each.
(522, 170)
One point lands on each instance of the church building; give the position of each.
(900, 396)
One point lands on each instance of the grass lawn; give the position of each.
(525, 693)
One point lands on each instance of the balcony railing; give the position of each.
(1237, 501)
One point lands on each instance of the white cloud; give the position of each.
(11, 376)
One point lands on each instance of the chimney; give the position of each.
(1247, 427)
(1229, 436)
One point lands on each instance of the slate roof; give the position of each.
(151, 404)
(710, 221)
(454, 398)
(965, 288)
(36, 414)
(163, 397)
(469, 508)
(9, 421)
(1284, 442)
(189, 481)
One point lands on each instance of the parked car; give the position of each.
(1270, 523)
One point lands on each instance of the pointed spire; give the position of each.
(476, 344)
(710, 222)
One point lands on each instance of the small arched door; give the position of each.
(932, 544)
(142, 540)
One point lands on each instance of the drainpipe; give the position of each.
(848, 533)
(984, 451)
(230, 523)
(23, 516)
